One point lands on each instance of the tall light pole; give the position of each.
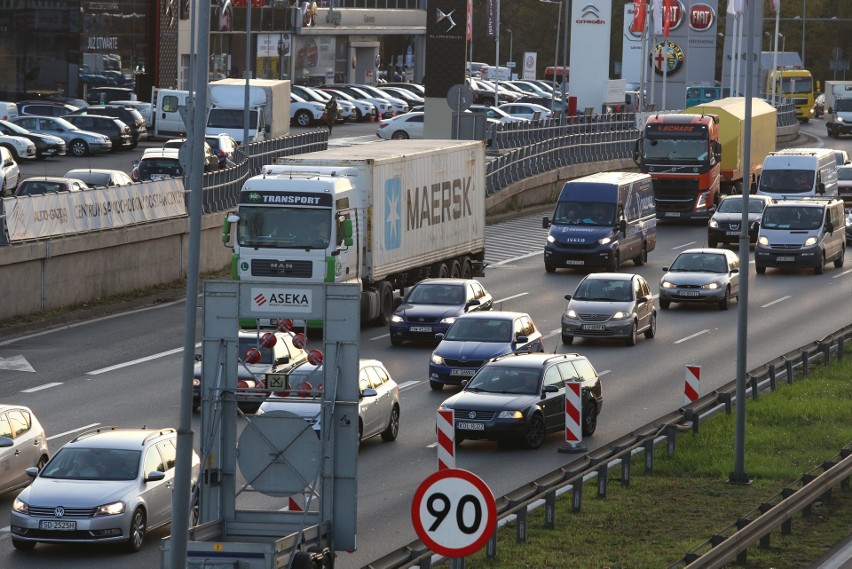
(556, 47)
(804, 19)
(564, 87)
(510, 45)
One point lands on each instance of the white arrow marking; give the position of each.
(16, 363)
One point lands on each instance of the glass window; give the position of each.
(585, 371)
(5, 428)
(19, 422)
(552, 377)
(363, 381)
(381, 374)
(568, 372)
(168, 452)
(373, 377)
(153, 461)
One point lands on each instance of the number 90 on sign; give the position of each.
(454, 512)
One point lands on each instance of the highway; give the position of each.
(124, 370)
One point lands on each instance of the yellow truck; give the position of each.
(796, 84)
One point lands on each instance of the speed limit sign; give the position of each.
(454, 512)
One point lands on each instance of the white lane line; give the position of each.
(85, 322)
(406, 384)
(514, 296)
(40, 387)
(93, 425)
(843, 274)
(691, 337)
(513, 259)
(683, 246)
(139, 361)
(782, 299)
(380, 337)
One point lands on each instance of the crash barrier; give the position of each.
(722, 547)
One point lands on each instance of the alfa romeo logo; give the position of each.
(671, 62)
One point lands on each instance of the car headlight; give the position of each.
(763, 240)
(437, 360)
(448, 320)
(604, 241)
(711, 286)
(516, 415)
(110, 509)
(620, 315)
(810, 241)
(702, 200)
(839, 119)
(571, 313)
(667, 284)
(551, 239)
(396, 318)
(713, 224)
(196, 382)
(104, 139)
(21, 507)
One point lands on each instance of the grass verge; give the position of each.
(664, 514)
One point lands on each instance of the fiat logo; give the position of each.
(701, 17)
(674, 14)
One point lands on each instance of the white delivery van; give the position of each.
(799, 172)
(167, 120)
(801, 233)
(8, 110)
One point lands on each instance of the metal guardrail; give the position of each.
(516, 505)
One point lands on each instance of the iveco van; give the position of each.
(799, 172)
(801, 233)
(602, 220)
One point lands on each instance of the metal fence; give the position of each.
(726, 544)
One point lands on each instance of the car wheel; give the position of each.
(665, 303)
(760, 269)
(137, 531)
(534, 435)
(614, 263)
(78, 148)
(133, 145)
(820, 268)
(396, 342)
(643, 256)
(3, 190)
(23, 545)
(590, 419)
(726, 300)
(838, 262)
(392, 431)
(303, 118)
(41, 462)
(631, 339)
(549, 268)
(399, 135)
(436, 385)
(712, 242)
(567, 339)
(652, 327)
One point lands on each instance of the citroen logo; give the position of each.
(59, 511)
(590, 11)
(448, 17)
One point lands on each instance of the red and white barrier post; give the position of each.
(446, 441)
(691, 387)
(573, 419)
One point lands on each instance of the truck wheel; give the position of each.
(643, 256)
(614, 263)
(820, 269)
(385, 293)
(303, 118)
(760, 269)
(439, 271)
(455, 270)
(466, 268)
(838, 262)
(712, 242)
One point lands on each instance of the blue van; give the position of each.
(602, 220)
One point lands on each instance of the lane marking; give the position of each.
(16, 363)
(513, 259)
(93, 425)
(514, 296)
(684, 245)
(692, 336)
(843, 274)
(139, 361)
(782, 299)
(380, 337)
(40, 387)
(407, 384)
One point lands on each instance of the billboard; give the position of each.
(445, 46)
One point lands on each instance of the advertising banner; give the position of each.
(69, 213)
(589, 67)
(631, 47)
(530, 61)
(445, 46)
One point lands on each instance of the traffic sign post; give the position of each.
(454, 512)
(573, 419)
(691, 384)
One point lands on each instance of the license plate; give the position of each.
(54, 525)
(672, 214)
(575, 262)
(785, 259)
(470, 426)
(421, 328)
(593, 327)
(689, 293)
(463, 372)
(732, 233)
(157, 177)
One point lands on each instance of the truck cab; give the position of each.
(796, 84)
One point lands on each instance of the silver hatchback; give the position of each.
(23, 445)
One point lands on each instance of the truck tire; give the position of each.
(838, 262)
(455, 270)
(643, 256)
(466, 268)
(385, 293)
(439, 271)
(614, 263)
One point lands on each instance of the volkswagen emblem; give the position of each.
(471, 414)
(735, 226)
(59, 511)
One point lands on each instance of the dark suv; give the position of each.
(522, 397)
(128, 115)
(118, 132)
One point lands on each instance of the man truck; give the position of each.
(383, 215)
(697, 155)
(269, 108)
(796, 84)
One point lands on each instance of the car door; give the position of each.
(553, 403)
(368, 406)
(734, 278)
(27, 442)
(10, 473)
(644, 301)
(379, 381)
(157, 494)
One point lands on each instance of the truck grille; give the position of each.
(278, 268)
(675, 194)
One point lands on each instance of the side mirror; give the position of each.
(154, 476)
(622, 226)
(567, 297)
(545, 222)
(829, 227)
(821, 188)
(397, 302)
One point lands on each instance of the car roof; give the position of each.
(492, 315)
(52, 179)
(93, 171)
(707, 250)
(161, 153)
(114, 437)
(523, 359)
(610, 276)
(447, 281)
(760, 197)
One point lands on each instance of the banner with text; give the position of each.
(69, 213)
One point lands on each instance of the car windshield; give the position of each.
(436, 294)
(604, 290)
(735, 205)
(284, 227)
(480, 330)
(703, 262)
(844, 173)
(792, 217)
(584, 213)
(78, 463)
(35, 188)
(499, 379)
(785, 181)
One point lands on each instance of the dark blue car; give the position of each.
(432, 305)
(477, 337)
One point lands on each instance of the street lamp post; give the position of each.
(556, 47)
(510, 47)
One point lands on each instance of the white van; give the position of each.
(799, 172)
(167, 120)
(801, 233)
(8, 110)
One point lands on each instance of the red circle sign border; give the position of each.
(490, 513)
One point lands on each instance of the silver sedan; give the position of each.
(701, 275)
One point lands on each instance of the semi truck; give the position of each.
(383, 215)
(838, 108)
(796, 84)
(697, 155)
(269, 108)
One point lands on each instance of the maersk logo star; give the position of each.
(393, 213)
(448, 17)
